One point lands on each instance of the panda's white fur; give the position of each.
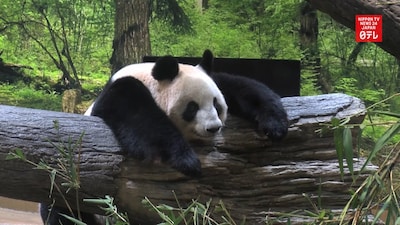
(191, 84)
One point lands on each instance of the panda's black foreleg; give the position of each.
(250, 99)
(142, 129)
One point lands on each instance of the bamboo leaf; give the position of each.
(348, 148)
(77, 222)
(52, 175)
(338, 138)
(392, 114)
(382, 141)
(382, 210)
(17, 154)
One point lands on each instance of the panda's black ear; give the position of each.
(207, 61)
(165, 68)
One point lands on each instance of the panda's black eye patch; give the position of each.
(190, 111)
(217, 106)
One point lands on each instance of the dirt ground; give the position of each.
(16, 212)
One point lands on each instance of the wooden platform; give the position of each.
(17, 212)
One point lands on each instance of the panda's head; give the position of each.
(186, 93)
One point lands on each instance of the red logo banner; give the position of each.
(368, 28)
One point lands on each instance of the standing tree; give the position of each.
(131, 34)
(311, 60)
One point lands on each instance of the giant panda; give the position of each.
(153, 110)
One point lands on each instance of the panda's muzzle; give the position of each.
(213, 130)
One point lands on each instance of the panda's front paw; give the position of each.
(275, 127)
(187, 163)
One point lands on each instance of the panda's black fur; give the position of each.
(166, 68)
(145, 132)
(251, 100)
(258, 103)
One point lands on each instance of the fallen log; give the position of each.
(344, 12)
(249, 173)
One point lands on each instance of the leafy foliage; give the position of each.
(195, 213)
(111, 210)
(245, 29)
(44, 34)
(380, 191)
(349, 85)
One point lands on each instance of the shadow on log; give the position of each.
(249, 173)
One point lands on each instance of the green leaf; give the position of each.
(77, 222)
(392, 114)
(338, 138)
(335, 122)
(17, 154)
(382, 210)
(42, 166)
(382, 141)
(348, 148)
(162, 215)
(96, 201)
(52, 175)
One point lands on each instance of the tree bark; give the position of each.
(250, 174)
(311, 59)
(354, 54)
(344, 11)
(131, 34)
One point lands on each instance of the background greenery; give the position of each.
(242, 29)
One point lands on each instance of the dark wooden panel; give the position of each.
(282, 76)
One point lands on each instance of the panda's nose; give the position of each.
(213, 130)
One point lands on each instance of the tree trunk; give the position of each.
(354, 54)
(311, 59)
(131, 34)
(344, 11)
(253, 176)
